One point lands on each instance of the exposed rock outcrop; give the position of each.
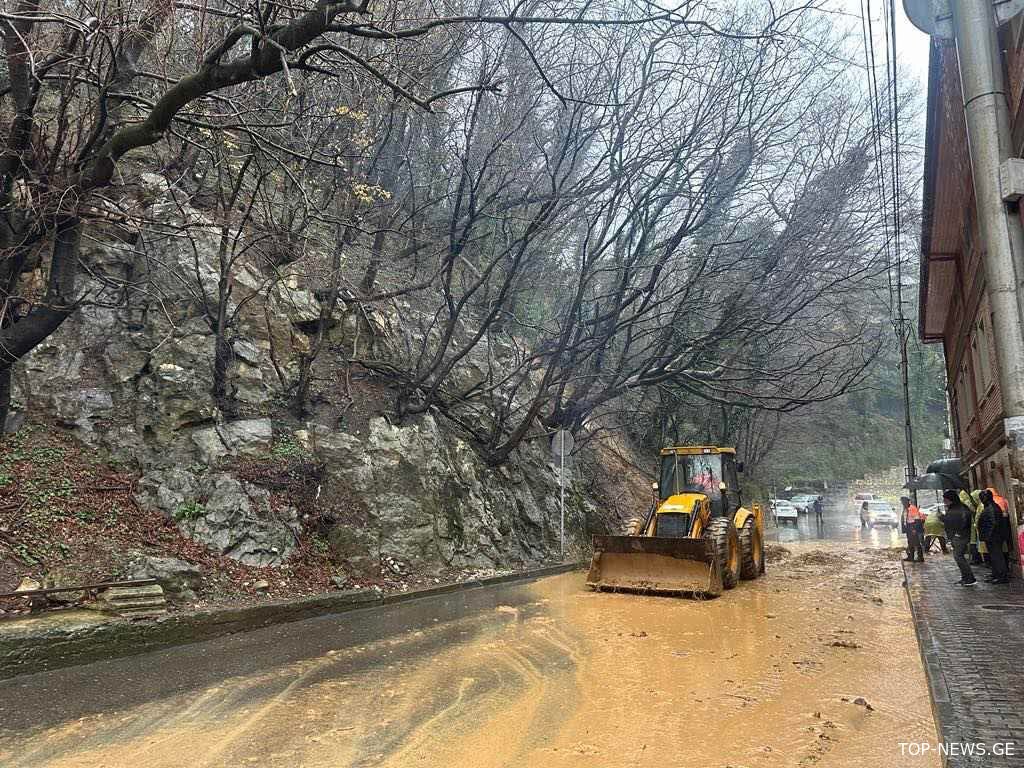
(180, 580)
(431, 499)
(137, 382)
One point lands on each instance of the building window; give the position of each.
(965, 398)
(955, 417)
(982, 368)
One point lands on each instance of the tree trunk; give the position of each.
(327, 308)
(376, 254)
(5, 396)
(21, 336)
(222, 395)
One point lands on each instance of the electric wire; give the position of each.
(867, 31)
(890, 204)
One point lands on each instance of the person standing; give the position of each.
(958, 520)
(818, 509)
(972, 501)
(913, 521)
(934, 531)
(994, 530)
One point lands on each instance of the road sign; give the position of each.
(935, 17)
(562, 443)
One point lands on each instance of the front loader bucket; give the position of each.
(654, 565)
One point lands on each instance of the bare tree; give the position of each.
(690, 213)
(86, 88)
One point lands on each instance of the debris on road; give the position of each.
(774, 553)
(860, 701)
(844, 644)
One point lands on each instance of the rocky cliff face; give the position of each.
(134, 377)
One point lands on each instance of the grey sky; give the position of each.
(911, 44)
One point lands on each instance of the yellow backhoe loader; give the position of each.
(697, 539)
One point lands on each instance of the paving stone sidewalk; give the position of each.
(972, 644)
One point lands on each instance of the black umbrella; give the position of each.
(945, 467)
(934, 481)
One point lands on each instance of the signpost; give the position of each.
(561, 445)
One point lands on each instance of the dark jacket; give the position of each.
(1000, 524)
(1003, 532)
(987, 521)
(957, 520)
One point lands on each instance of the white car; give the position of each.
(784, 512)
(803, 502)
(882, 513)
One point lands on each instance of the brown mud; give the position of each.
(814, 665)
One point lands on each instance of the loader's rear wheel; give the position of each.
(752, 547)
(721, 535)
(634, 527)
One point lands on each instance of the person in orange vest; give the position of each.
(913, 522)
(1003, 503)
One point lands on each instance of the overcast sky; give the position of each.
(911, 55)
(911, 43)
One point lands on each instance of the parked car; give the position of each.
(784, 512)
(803, 502)
(881, 512)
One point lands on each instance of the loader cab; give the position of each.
(701, 469)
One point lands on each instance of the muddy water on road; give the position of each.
(767, 675)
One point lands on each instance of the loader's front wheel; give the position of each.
(752, 549)
(722, 537)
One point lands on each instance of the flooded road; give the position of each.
(841, 523)
(816, 664)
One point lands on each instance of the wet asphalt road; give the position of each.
(49, 698)
(527, 674)
(841, 523)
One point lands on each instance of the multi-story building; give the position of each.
(954, 303)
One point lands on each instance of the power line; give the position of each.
(867, 31)
(892, 250)
(902, 327)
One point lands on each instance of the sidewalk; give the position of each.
(972, 645)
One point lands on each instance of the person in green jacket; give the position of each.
(934, 530)
(972, 501)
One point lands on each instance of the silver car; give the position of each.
(803, 503)
(784, 512)
(882, 513)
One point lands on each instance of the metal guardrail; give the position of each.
(79, 588)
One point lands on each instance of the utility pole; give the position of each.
(900, 325)
(561, 445)
(973, 24)
(903, 329)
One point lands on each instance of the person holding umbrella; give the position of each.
(958, 521)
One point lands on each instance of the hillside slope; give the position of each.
(125, 450)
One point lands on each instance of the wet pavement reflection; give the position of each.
(793, 669)
(790, 670)
(839, 522)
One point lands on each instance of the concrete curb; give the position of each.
(55, 648)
